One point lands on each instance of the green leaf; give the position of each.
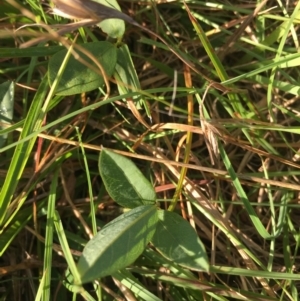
(124, 182)
(118, 244)
(177, 241)
(78, 78)
(114, 28)
(6, 106)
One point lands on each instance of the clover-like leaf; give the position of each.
(118, 244)
(177, 241)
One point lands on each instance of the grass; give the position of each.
(220, 148)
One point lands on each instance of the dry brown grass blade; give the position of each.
(210, 133)
(87, 9)
(56, 35)
(216, 172)
(136, 113)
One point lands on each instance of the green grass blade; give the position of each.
(241, 193)
(23, 150)
(49, 239)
